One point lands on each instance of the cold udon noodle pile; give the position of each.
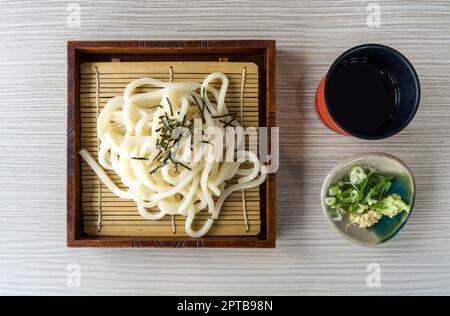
(165, 158)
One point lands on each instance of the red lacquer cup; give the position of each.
(403, 76)
(322, 110)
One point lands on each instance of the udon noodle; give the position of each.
(165, 145)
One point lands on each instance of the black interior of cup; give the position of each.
(402, 77)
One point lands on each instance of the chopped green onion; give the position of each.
(330, 201)
(365, 194)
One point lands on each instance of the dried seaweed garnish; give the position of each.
(205, 106)
(139, 158)
(229, 123)
(200, 109)
(223, 116)
(170, 137)
(170, 106)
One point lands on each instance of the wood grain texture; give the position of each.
(310, 258)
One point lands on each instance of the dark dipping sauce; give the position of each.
(361, 97)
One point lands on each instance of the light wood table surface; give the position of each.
(310, 258)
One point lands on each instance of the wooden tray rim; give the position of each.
(75, 237)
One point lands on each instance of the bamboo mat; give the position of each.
(105, 214)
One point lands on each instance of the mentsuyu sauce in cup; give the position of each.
(370, 92)
(362, 97)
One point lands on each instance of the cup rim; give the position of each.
(408, 65)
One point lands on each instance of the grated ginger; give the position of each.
(365, 220)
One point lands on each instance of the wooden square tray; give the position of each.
(98, 71)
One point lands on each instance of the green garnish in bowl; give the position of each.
(364, 197)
